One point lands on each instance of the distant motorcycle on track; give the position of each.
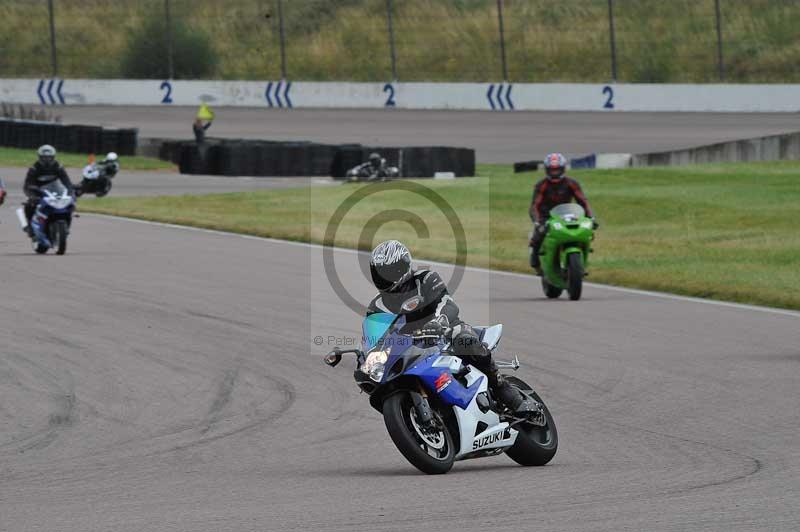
(437, 409)
(565, 250)
(52, 219)
(96, 177)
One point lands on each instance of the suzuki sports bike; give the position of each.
(436, 408)
(51, 221)
(96, 179)
(565, 250)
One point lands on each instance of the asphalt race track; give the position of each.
(497, 137)
(133, 183)
(159, 378)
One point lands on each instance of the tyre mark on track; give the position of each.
(221, 399)
(287, 398)
(756, 464)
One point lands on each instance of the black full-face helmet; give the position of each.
(390, 265)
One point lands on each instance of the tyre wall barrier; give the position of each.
(30, 134)
(259, 158)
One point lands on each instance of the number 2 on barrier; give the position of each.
(607, 90)
(390, 100)
(168, 96)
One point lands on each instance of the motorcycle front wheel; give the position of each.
(535, 445)
(60, 237)
(574, 276)
(429, 450)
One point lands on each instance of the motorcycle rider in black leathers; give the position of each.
(375, 169)
(555, 189)
(44, 171)
(437, 316)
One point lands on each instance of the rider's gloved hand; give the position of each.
(431, 329)
(595, 223)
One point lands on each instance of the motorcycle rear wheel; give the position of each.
(419, 449)
(534, 446)
(104, 189)
(574, 276)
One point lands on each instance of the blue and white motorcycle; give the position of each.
(52, 219)
(436, 408)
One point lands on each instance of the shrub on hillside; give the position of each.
(146, 54)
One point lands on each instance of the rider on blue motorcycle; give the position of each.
(44, 171)
(436, 315)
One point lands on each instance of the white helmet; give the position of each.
(112, 156)
(47, 155)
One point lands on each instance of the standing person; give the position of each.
(2, 192)
(200, 130)
(555, 189)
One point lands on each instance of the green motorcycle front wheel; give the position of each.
(574, 276)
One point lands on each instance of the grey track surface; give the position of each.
(497, 137)
(160, 379)
(132, 183)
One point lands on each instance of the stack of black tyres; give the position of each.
(239, 157)
(30, 134)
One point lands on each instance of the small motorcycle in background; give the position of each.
(97, 176)
(52, 219)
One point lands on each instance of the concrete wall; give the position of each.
(501, 97)
(771, 148)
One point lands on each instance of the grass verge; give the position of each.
(18, 157)
(725, 232)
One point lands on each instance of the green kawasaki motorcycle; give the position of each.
(565, 250)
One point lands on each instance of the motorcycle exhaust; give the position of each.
(23, 222)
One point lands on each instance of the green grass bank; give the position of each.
(436, 40)
(725, 232)
(17, 157)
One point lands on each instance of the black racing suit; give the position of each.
(437, 304)
(369, 172)
(547, 194)
(200, 132)
(39, 176)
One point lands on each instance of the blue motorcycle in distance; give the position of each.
(52, 219)
(436, 408)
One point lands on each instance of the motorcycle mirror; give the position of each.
(492, 335)
(411, 304)
(333, 358)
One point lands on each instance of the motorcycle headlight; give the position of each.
(375, 364)
(587, 224)
(557, 226)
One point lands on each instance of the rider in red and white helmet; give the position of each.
(556, 188)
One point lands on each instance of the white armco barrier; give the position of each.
(466, 96)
